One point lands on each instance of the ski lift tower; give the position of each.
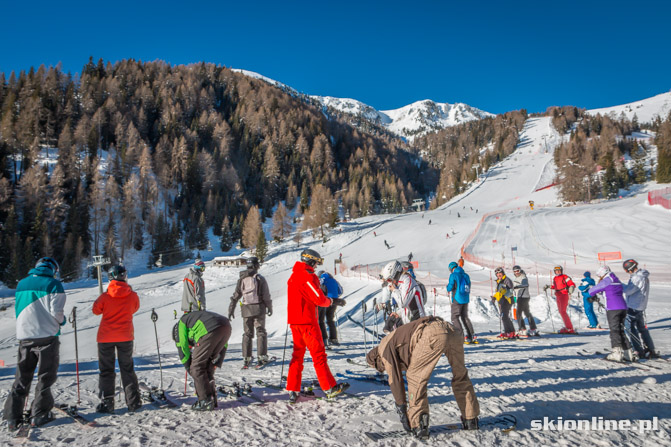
(98, 262)
(477, 176)
(418, 204)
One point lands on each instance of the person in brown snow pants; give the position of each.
(416, 348)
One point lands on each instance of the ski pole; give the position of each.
(73, 320)
(375, 310)
(284, 351)
(363, 319)
(154, 318)
(547, 300)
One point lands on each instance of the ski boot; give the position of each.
(41, 419)
(422, 432)
(533, 333)
(203, 405)
(522, 333)
(630, 355)
(247, 362)
(106, 406)
(338, 389)
(334, 342)
(468, 341)
(293, 397)
(470, 424)
(263, 361)
(617, 355)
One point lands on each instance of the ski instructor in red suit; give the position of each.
(304, 296)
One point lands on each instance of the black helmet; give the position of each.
(311, 257)
(407, 265)
(558, 267)
(499, 270)
(517, 268)
(117, 273)
(48, 262)
(253, 263)
(629, 265)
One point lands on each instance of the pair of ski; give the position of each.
(239, 391)
(307, 392)
(504, 422)
(66, 410)
(378, 379)
(602, 356)
(261, 365)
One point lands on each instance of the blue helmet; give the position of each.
(452, 266)
(587, 275)
(50, 263)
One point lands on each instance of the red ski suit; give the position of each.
(560, 284)
(303, 297)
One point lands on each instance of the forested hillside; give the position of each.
(137, 153)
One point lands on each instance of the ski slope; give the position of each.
(532, 379)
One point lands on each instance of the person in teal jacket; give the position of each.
(459, 286)
(588, 302)
(40, 299)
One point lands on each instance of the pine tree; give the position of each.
(261, 247)
(226, 241)
(281, 223)
(250, 231)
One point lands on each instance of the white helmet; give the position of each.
(603, 271)
(392, 271)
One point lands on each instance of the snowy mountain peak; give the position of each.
(646, 110)
(409, 121)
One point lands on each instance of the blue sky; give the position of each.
(494, 55)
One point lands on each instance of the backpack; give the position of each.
(250, 290)
(422, 291)
(465, 285)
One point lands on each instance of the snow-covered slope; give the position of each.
(646, 109)
(409, 121)
(542, 377)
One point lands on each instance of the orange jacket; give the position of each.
(304, 295)
(117, 307)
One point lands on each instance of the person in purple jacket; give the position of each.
(616, 313)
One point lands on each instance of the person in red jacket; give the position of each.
(304, 295)
(563, 286)
(115, 338)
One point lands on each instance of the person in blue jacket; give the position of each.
(332, 289)
(588, 302)
(459, 286)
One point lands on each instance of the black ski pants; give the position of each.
(205, 356)
(459, 315)
(616, 324)
(505, 307)
(639, 333)
(41, 354)
(107, 354)
(522, 310)
(327, 317)
(257, 322)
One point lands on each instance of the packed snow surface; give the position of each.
(646, 110)
(533, 379)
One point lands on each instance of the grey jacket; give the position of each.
(521, 286)
(252, 310)
(193, 296)
(637, 290)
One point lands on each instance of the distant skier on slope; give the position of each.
(404, 290)
(253, 289)
(193, 295)
(459, 287)
(616, 312)
(504, 296)
(588, 302)
(521, 287)
(416, 348)
(115, 341)
(563, 286)
(637, 291)
(208, 334)
(304, 295)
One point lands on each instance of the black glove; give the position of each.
(571, 289)
(546, 286)
(231, 310)
(339, 302)
(269, 312)
(402, 411)
(187, 365)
